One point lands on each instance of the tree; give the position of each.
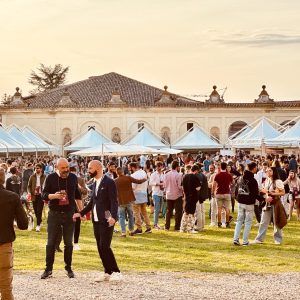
(48, 77)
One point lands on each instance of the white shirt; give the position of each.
(98, 182)
(139, 174)
(38, 180)
(155, 179)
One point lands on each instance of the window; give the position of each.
(189, 126)
(140, 126)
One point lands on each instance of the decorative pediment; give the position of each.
(16, 99)
(264, 96)
(215, 96)
(66, 99)
(166, 97)
(116, 97)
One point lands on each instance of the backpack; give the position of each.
(203, 193)
(242, 187)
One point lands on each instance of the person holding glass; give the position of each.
(272, 189)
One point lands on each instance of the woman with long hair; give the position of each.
(294, 195)
(273, 188)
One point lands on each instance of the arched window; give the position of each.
(235, 127)
(116, 135)
(66, 135)
(215, 133)
(166, 134)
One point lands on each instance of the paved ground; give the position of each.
(156, 285)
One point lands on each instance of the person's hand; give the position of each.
(263, 190)
(59, 195)
(75, 216)
(111, 221)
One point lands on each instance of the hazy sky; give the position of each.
(189, 45)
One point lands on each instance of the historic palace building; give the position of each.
(118, 106)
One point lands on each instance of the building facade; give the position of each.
(118, 106)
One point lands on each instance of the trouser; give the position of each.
(58, 221)
(141, 210)
(286, 205)
(214, 210)
(200, 216)
(103, 234)
(77, 230)
(38, 205)
(245, 216)
(171, 204)
(258, 211)
(263, 227)
(157, 200)
(122, 217)
(6, 271)
(187, 222)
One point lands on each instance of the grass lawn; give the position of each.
(209, 251)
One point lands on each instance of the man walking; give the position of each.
(10, 209)
(104, 207)
(34, 188)
(61, 190)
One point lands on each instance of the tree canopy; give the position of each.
(47, 77)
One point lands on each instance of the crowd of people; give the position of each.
(134, 188)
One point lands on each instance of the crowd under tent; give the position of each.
(258, 136)
(196, 139)
(146, 137)
(88, 139)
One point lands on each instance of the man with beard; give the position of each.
(61, 192)
(104, 205)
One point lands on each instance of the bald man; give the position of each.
(62, 194)
(104, 206)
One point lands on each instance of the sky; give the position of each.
(188, 45)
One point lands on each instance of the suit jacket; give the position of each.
(10, 209)
(32, 185)
(124, 188)
(105, 199)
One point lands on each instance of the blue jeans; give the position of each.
(157, 200)
(122, 216)
(245, 215)
(264, 223)
(57, 221)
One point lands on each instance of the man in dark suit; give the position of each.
(10, 209)
(104, 207)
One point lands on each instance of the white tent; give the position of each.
(289, 138)
(257, 136)
(242, 132)
(17, 135)
(115, 150)
(34, 137)
(146, 137)
(196, 138)
(7, 143)
(90, 138)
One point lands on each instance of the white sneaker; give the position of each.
(277, 243)
(256, 242)
(223, 225)
(103, 277)
(116, 277)
(257, 225)
(212, 225)
(76, 247)
(38, 228)
(193, 231)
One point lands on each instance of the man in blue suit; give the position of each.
(104, 207)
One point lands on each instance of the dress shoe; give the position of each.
(46, 274)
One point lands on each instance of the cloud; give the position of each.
(258, 39)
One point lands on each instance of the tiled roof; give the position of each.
(96, 91)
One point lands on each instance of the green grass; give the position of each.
(210, 251)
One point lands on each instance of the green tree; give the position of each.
(47, 77)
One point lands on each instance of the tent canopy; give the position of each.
(31, 135)
(146, 137)
(290, 137)
(196, 138)
(88, 139)
(7, 143)
(254, 138)
(17, 135)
